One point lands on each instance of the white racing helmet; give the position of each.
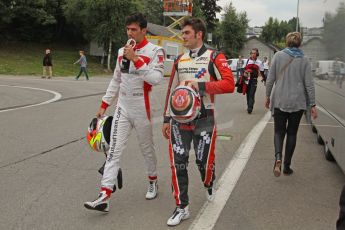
(98, 133)
(185, 104)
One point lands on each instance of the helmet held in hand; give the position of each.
(185, 104)
(98, 134)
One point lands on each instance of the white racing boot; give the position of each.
(100, 204)
(178, 215)
(210, 194)
(152, 190)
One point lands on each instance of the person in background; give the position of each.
(47, 65)
(83, 64)
(266, 67)
(337, 72)
(294, 91)
(253, 68)
(239, 67)
(342, 75)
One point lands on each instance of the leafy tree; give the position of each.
(292, 23)
(25, 20)
(32, 20)
(152, 9)
(233, 30)
(274, 31)
(268, 31)
(197, 10)
(210, 9)
(103, 21)
(6, 15)
(217, 36)
(334, 32)
(56, 9)
(285, 28)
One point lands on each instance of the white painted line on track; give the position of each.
(331, 114)
(209, 213)
(57, 96)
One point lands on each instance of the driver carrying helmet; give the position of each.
(139, 66)
(208, 73)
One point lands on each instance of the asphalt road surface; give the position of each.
(47, 171)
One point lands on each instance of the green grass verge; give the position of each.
(26, 59)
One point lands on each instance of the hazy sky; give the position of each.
(311, 12)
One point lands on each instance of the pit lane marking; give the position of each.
(57, 96)
(210, 211)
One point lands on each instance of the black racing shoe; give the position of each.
(287, 171)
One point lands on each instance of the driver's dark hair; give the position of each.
(137, 18)
(197, 24)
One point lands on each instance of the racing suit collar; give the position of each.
(141, 44)
(199, 51)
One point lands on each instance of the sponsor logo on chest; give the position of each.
(197, 68)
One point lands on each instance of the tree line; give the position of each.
(102, 21)
(334, 32)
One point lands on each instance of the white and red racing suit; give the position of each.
(254, 67)
(211, 70)
(131, 88)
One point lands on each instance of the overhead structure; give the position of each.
(177, 10)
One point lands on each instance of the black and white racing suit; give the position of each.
(211, 71)
(131, 88)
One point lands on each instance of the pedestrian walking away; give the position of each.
(253, 68)
(239, 67)
(342, 76)
(266, 67)
(83, 65)
(293, 93)
(207, 72)
(47, 65)
(130, 87)
(337, 69)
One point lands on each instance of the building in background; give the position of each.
(162, 36)
(265, 49)
(310, 33)
(315, 49)
(253, 32)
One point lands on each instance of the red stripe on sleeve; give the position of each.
(139, 63)
(104, 105)
(226, 84)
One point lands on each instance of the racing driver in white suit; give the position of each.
(131, 85)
